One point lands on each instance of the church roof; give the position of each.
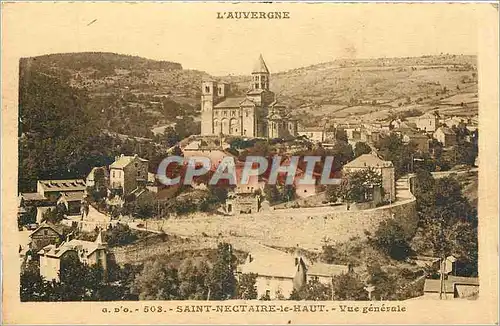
(231, 102)
(260, 66)
(247, 102)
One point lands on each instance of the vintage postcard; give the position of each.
(249, 163)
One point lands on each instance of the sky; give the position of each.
(190, 33)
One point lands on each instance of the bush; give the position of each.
(391, 239)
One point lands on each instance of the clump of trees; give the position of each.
(392, 148)
(447, 221)
(279, 193)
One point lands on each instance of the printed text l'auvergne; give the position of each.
(253, 15)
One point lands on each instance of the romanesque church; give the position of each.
(258, 114)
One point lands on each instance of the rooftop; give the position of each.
(446, 130)
(260, 66)
(123, 161)
(45, 225)
(230, 102)
(63, 185)
(28, 196)
(275, 263)
(449, 284)
(81, 247)
(74, 196)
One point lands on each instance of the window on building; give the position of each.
(257, 86)
(246, 114)
(225, 113)
(114, 174)
(207, 89)
(220, 90)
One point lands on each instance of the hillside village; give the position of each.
(93, 198)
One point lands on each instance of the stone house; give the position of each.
(46, 234)
(445, 136)
(242, 203)
(128, 173)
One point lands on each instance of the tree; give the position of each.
(348, 287)
(33, 287)
(390, 237)
(312, 290)
(119, 235)
(54, 215)
(156, 282)
(392, 148)
(361, 148)
(246, 286)
(333, 193)
(386, 285)
(341, 135)
(221, 280)
(360, 185)
(192, 276)
(447, 221)
(79, 281)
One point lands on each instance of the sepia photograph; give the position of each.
(249, 158)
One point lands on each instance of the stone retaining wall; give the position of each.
(307, 227)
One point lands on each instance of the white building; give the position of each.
(87, 252)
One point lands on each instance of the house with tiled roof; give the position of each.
(279, 273)
(87, 252)
(128, 172)
(384, 168)
(257, 114)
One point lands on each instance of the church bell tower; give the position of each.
(260, 75)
